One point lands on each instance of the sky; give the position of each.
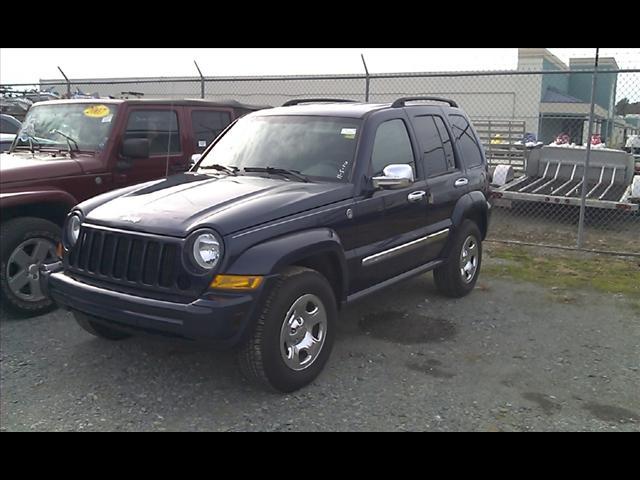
(28, 65)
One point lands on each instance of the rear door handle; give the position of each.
(416, 196)
(461, 182)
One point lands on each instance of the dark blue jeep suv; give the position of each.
(291, 213)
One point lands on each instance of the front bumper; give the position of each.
(218, 317)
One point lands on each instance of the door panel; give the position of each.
(446, 178)
(387, 221)
(162, 126)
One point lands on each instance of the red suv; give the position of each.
(69, 150)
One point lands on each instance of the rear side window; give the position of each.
(391, 145)
(446, 142)
(435, 161)
(207, 125)
(159, 126)
(466, 141)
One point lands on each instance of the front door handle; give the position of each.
(416, 196)
(461, 182)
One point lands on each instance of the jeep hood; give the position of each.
(176, 205)
(22, 167)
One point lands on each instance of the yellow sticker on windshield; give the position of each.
(97, 111)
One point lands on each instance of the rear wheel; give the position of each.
(458, 276)
(294, 335)
(25, 244)
(90, 325)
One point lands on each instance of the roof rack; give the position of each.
(316, 100)
(400, 102)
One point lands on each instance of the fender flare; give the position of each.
(470, 204)
(43, 195)
(268, 258)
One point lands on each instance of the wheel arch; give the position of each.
(472, 206)
(52, 205)
(319, 249)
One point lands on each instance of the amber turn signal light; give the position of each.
(59, 250)
(236, 282)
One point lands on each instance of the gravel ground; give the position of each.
(509, 357)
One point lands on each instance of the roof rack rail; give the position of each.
(297, 101)
(400, 102)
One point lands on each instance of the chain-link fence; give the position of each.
(533, 122)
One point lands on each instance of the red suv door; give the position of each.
(163, 126)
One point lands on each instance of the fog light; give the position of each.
(236, 282)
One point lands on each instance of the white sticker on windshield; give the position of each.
(202, 143)
(348, 132)
(107, 119)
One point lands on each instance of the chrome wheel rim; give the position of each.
(23, 277)
(469, 259)
(303, 332)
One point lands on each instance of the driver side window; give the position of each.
(391, 145)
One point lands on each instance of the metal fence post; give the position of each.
(201, 80)
(366, 71)
(68, 83)
(585, 179)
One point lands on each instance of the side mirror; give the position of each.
(394, 176)
(195, 158)
(135, 148)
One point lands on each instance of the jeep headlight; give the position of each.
(72, 230)
(207, 250)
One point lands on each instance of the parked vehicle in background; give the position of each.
(291, 213)
(555, 175)
(9, 124)
(70, 150)
(633, 147)
(17, 102)
(6, 139)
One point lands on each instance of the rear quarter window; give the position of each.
(207, 125)
(466, 140)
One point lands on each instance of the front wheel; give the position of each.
(294, 335)
(458, 276)
(25, 244)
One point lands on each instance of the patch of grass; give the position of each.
(566, 270)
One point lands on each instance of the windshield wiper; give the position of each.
(69, 140)
(279, 171)
(216, 166)
(31, 139)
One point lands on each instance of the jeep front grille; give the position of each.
(128, 258)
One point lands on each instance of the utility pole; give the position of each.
(585, 179)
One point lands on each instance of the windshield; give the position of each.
(314, 146)
(78, 126)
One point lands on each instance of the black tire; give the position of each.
(12, 234)
(88, 323)
(260, 356)
(448, 277)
